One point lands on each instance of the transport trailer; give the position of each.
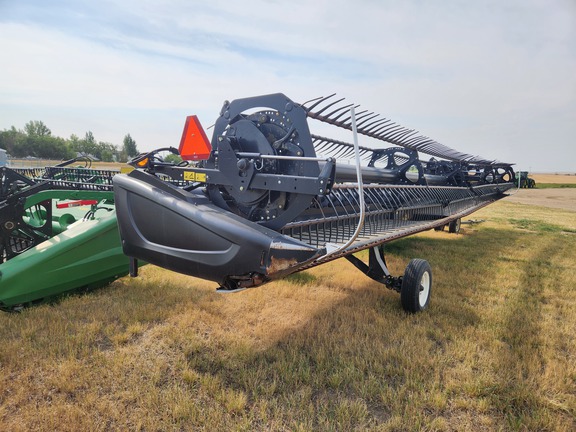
(267, 197)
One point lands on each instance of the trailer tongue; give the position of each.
(267, 198)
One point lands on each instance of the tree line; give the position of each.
(36, 140)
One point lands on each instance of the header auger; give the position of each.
(267, 198)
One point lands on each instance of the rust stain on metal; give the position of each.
(279, 264)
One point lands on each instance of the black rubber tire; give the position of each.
(439, 228)
(454, 226)
(416, 286)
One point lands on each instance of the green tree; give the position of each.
(106, 151)
(129, 147)
(175, 159)
(87, 145)
(49, 147)
(36, 128)
(13, 141)
(74, 143)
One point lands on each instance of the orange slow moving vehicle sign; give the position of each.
(194, 144)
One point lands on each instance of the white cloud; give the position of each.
(490, 78)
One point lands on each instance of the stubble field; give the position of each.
(327, 349)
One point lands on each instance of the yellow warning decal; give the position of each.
(194, 176)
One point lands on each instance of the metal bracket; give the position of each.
(376, 268)
(133, 267)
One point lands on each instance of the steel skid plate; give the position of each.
(183, 231)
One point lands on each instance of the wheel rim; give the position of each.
(424, 289)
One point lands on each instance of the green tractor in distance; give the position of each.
(524, 181)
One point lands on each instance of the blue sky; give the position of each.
(493, 78)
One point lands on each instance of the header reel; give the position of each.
(267, 198)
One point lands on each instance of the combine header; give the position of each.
(267, 198)
(58, 232)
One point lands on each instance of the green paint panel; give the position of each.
(82, 253)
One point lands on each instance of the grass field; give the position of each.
(327, 349)
(555, 185)
(554, 181)
(554, 178)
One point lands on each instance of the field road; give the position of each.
(554, 198)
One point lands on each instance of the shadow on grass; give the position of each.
(359, 362)
(521, 362)
(363, 361)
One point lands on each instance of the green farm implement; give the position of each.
(58, 232)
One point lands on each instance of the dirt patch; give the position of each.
(554, 198)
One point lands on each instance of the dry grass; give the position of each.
(554, 178)
(327, 349)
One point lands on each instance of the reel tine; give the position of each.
(365, 118)
(338, 149)
(371, 124)
(320, 146)
(416, 140)
(328, 106)
(406, 135)
(399, 134)
(361, 114)
(385, 131)
(374, 126)
(344, 109)
(324, 145)
(318, 100)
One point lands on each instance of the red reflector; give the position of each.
(194, 144)
(76, 203)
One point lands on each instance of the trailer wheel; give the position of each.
(416, 286)
(454, 226)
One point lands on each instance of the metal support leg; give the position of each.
(133, 267)
(377, 268)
